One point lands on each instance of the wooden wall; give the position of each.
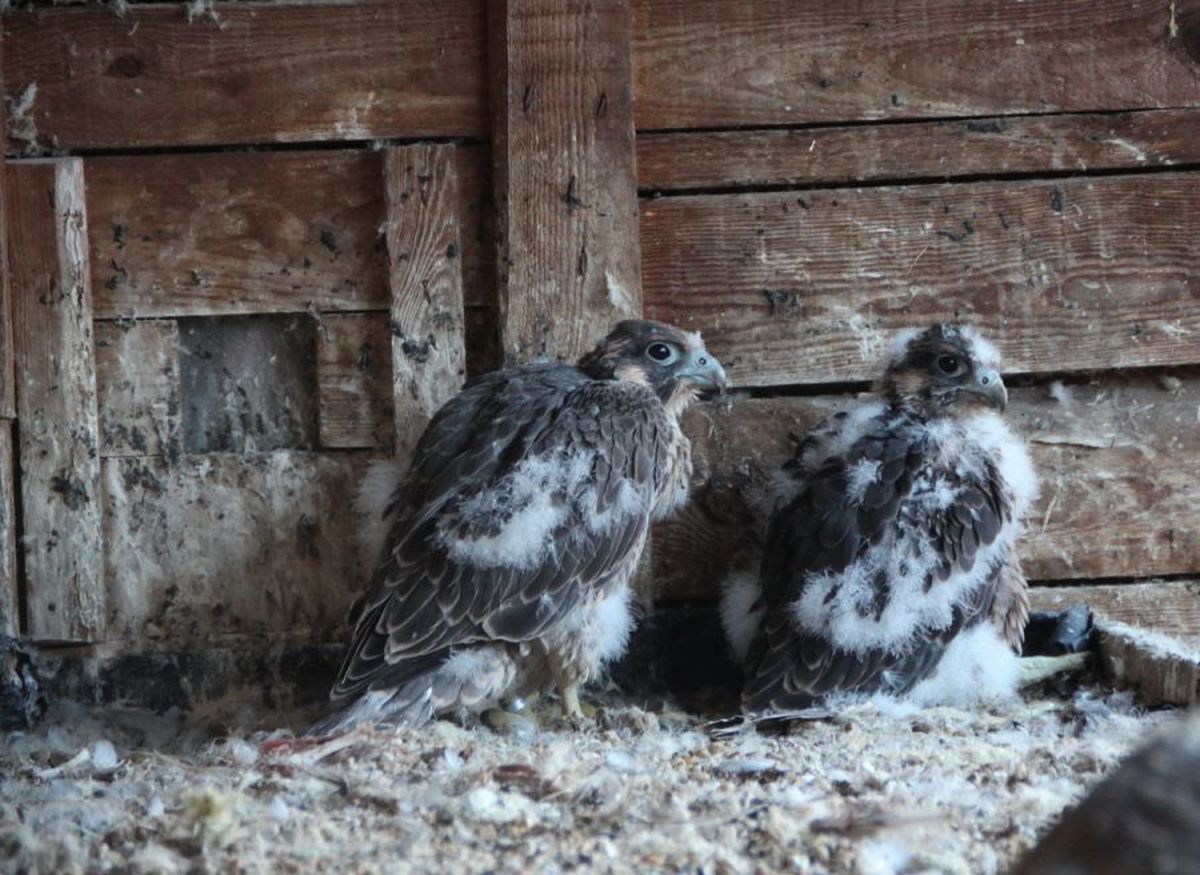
(304, 224)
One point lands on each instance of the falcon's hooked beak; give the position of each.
(988, 385)
(703, 369)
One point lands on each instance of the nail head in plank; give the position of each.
(425, 271)
(568, 259)
(56, 400)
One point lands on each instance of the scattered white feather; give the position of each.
(978, 666)
(739, 592)
(1061, 393)
(104, 756)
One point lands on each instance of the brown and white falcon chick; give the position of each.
(510, 542)
(888, 565)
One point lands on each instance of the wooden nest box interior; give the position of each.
(250, 248)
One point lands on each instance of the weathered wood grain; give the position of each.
(56, 400)
(236, 233)
(424, 265)
(220, 234)
(687, 160)
(186, 541)
(566, 189)
(354, 381)
(137, 388)
(805, 288)
(1162, 670)
(249, 72)
(8, 402)
(1119, 463)
(1169, 607)
(10, 617)
(248, 383)
(724, 63)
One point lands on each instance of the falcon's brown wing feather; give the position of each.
(822, 530)
(457, 569)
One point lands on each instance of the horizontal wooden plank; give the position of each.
(723, 63)
(917, 150)
(805, 288)
(354, 380)
(1170, 607)
(1161, 669)
(58, 455)
(137, 388)
(216, 234)
(1119, 463)
(236, 232)
(248, 73)
(184, 540)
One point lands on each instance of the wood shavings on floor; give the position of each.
(939, 790)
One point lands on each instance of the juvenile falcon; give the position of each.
(888, 564)
(510, 543)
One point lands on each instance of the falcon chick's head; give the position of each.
(944, 370)
(673, 363)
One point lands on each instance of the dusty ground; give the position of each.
(644, 790)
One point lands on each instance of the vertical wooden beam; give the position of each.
(425, 272)
(9, 602)
(569, 261)
(56, 400)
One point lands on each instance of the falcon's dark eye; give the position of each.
(663, 353)
(949, 364)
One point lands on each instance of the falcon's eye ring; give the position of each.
(949, 364)
(663, 353)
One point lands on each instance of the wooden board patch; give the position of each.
(248, 383)
(228, 544)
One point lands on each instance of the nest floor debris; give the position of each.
(874, 790)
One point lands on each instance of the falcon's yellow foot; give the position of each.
(520, 725)
(578, 714)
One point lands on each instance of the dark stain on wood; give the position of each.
(248, 383)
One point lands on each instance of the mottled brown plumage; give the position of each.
(513, 537)
(896, 533)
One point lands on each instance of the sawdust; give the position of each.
(645, 789)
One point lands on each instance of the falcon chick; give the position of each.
(888, 565)
(510, 543)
